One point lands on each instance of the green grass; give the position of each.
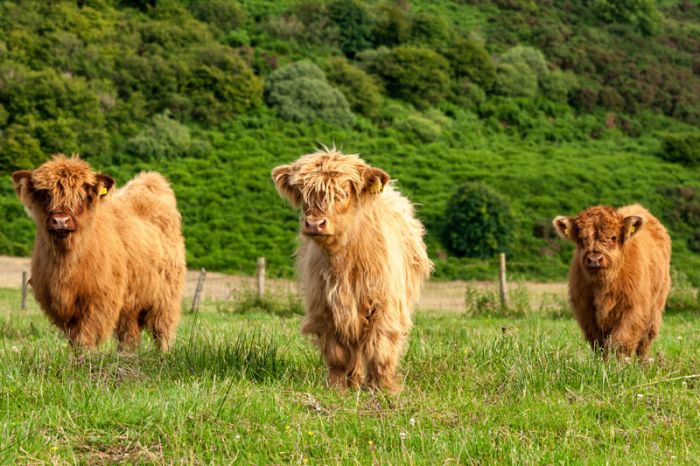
(248, 388)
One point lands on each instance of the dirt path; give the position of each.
(437, 295)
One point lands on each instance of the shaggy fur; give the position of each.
(123, 266)
(362, 275)
(619, 277)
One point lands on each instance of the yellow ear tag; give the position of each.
(566, 231)
(103, 191)
(630, 231)
(377, 186)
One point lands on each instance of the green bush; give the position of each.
(558, 85)
(683, 148)
(300, 92)
(222, 86)
(360, 89)
(418, 128)
(392, 23)
(430, 29)
(224, 14)
(533, 58)
(354, 23)
(469, 59)
(515, 80)
(642, 15)
(477, 222)
(165, 138)
(415, 74)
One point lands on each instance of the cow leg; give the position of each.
(128, 332)
(627, 335)
(382, 351)
(92, 327)
(650, 335)
(162, 322)
(338, 359)
(585, 316)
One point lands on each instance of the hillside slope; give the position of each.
(554, 107)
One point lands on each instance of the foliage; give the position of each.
(477, 222)
(226, 15)
(300, 92)
(393, 24)
(165, 138)
(683, 148)
(354, 24)
(359, 88)
(124, 82)
(469, 59)
(642, 15)
(415, 74)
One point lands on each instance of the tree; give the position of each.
(478, 222)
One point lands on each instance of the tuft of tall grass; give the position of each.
(249, 302)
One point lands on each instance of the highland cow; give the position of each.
(619, 277)
(104, 262)
(361, 263)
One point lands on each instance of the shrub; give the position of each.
(360, 89)
(515, 80)
(355, 25)
(224, 14)
(558, 85)
(430, 29)
(683, 148)
(300, 92)
(533, 58)
(165, 138)
(419, 127)
(477, 222)
(469, 59)
(221, 86)
(415, 74)
(642, 15)
(392, 25)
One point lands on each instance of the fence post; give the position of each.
(503, 284)
(25, 284)
(261, 277)
(198, 290)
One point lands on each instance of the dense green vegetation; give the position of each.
(246, 387)
(553, 105)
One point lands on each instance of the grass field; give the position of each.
(246, 387)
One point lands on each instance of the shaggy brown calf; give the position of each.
(619, 277)
(104, 262)
(361, 263)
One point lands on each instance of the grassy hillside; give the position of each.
(554, 107)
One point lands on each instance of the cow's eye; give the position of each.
(614, 238)
(41, 195)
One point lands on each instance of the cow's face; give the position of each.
(329, 188)
(61, 195)
(600, 234)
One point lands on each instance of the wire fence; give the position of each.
(436, 295)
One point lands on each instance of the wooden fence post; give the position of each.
(261, 277)
(503, 284)
(25, 285)
(198, 290)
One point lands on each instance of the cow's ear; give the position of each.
(105, 183)
(21, 181)
(564, 227)
(374, 180)
(631, 226)
(282, 177)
